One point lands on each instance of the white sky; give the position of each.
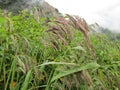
(104, 12)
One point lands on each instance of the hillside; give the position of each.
(60, 53)
(97, 29)
(42, 7)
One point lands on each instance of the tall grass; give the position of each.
(55, 54)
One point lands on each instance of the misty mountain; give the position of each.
(97, 29)
(43, 8)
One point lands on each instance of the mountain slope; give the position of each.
(43, 7)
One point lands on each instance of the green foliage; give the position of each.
(74, 70)
(27, 80)
(29, 61)
(108, 56)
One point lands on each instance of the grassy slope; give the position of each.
(30, 60)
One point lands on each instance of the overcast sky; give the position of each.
(104, 12)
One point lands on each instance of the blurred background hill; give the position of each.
(43, 8)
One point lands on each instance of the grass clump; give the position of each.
(55, 54)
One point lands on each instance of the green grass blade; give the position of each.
(27, 80)
(79, 48)
(11, 74)
(57, 63)
(85, 67)
(48, 82)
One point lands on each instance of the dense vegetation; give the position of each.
(51, 54)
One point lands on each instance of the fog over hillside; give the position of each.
(104, 12)
(39, 6)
